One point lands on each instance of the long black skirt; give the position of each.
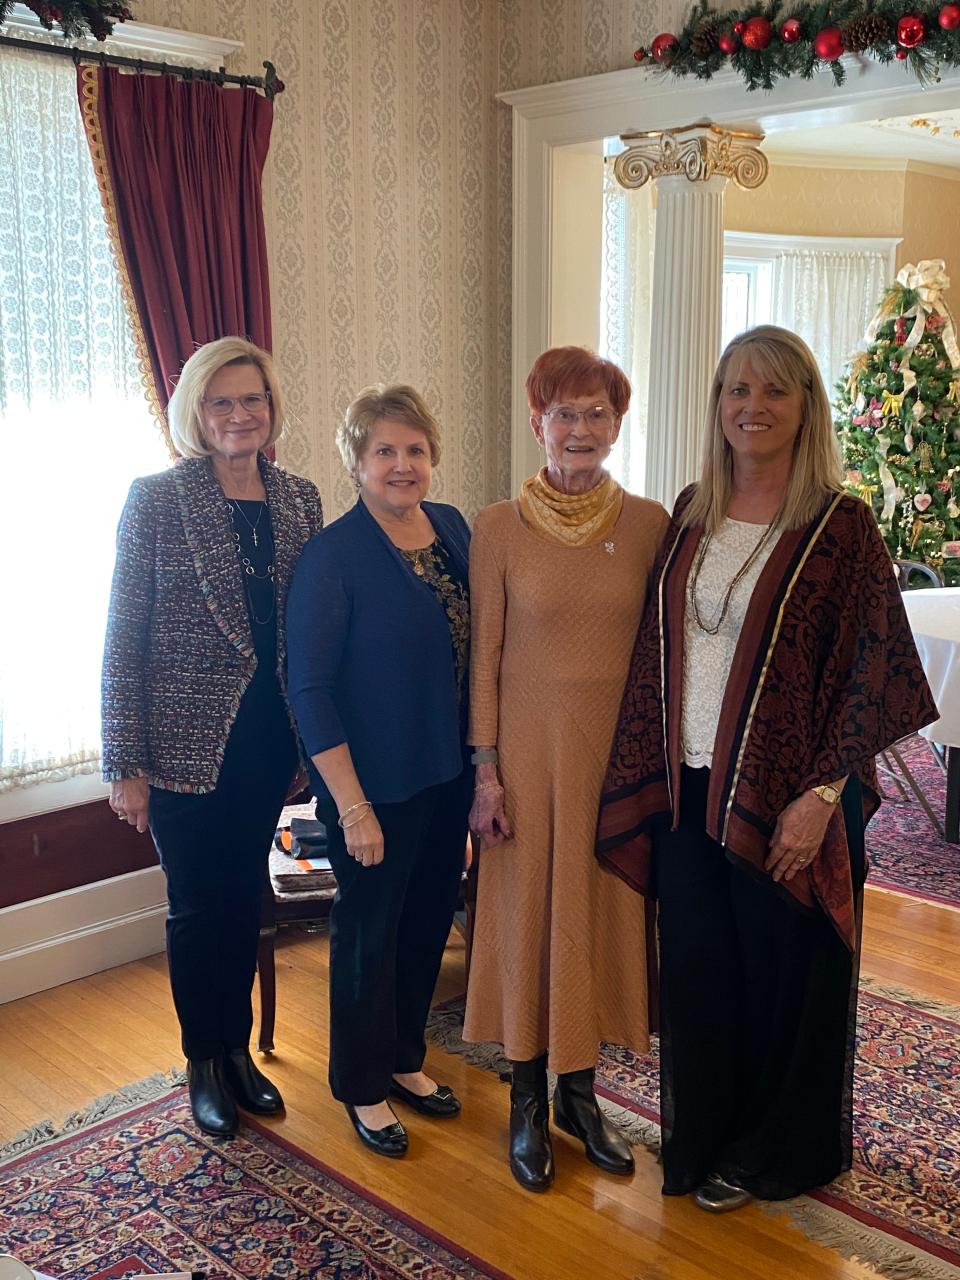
(758, 1017)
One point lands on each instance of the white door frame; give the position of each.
(578, 111)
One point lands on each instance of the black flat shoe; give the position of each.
(716, 1195)
(248, 1086)
(388, 1141)
(441, 1103)
(213, 1108)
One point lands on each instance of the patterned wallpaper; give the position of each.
(388, 201)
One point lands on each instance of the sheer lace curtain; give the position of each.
(74, 424)
(828, 297)
(625, 314)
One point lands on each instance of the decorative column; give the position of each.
(690, 168)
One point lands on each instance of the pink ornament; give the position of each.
(921, 501)
(757, 34)
(790, 31)
(943, 486)
(911, 30)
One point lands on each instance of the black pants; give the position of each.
(214, 849)
(757, 1020)
(388, 928)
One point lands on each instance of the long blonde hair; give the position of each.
(776, 355)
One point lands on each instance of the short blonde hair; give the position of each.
(778, 356)
(399, 403)
(184, 409)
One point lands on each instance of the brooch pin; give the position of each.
(608, 548)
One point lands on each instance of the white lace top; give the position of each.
(707, 659)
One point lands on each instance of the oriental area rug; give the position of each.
(906, 854)
(898, 1209)
(120, 1191)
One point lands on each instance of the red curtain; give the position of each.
(180, 165)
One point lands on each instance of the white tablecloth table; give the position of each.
(934, 615)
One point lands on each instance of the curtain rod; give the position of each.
(270, 83)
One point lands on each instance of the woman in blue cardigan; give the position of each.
(378, 641)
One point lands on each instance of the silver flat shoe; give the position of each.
(716, 1195)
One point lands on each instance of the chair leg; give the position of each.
(888, 771)
(914, 787)
(267, 973)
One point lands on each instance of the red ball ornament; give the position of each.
(828, 44)
(664, 46)
(910, 31)
(949, 17)
(901, 55)
(757, 34)
(728, 43)
(639, 54)
(738, 28)
(790, 31)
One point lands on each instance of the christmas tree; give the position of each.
(898, 417)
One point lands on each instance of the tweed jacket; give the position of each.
(179, 651)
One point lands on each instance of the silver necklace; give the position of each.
(234, 505)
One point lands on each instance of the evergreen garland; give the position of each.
(803, 38)
(898, 455)
(75, 18)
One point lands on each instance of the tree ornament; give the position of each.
(901, 55)
(828, 44)
(790, 31)
(926, 458)
(949, 17)
(868, 31)
(911, 30)
(921, 501)
(900, 330)
(664, 46)
(728, 43)
(757, 34)
(706, 38)
(738, 27)
(952, 509)
(639, 54)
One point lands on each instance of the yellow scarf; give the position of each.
(572, 519)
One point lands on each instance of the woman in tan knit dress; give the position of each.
(558, 581)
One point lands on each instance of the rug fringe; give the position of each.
(105, 1107)
(879, 1252)
(902, 995)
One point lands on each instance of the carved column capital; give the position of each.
(697, 152)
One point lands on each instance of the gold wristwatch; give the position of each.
(828, 794)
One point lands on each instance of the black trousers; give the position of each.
(388, 928)
(757, 1019)
(214, 850)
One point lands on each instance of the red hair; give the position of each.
(575, 371)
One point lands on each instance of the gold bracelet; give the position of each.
(488, 786)
(353, 808)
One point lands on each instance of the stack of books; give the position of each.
(298, 862)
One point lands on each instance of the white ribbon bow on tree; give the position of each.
(929, 280)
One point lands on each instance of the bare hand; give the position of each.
(364, 839)
(487, 820)
(129, 800)
(798, 835)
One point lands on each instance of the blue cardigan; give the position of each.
(370, 661)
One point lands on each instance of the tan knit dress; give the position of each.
(558, 957)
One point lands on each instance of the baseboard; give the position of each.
(69, 935)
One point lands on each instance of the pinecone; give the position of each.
(867, 31)
(704, 39)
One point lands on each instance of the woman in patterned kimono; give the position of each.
(777, 659)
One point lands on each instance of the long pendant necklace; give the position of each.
(234, 505)
(713, 627)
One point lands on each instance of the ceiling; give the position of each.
(932, 139)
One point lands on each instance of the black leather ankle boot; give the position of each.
(248, 1085)
(210, 1101)
(531, 1155)
(575, 1111)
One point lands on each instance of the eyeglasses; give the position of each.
(222, 406)
(599, 415)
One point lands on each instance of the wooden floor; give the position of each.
(63, 1047)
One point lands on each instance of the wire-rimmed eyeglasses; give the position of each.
(598, 415)
(222, 406)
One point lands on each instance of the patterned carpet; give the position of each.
(145, 1192)
(906, 854)
(898, 1209)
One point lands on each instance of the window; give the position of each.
(747, 296)
(75, 427)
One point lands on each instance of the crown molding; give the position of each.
(137, 38)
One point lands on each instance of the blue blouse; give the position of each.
(369, 656)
